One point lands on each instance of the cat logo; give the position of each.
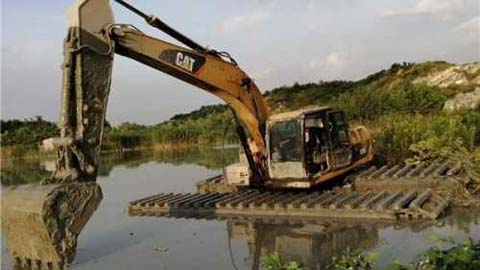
(184, 61)
(187, 61)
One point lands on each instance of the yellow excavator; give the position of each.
(298, 149)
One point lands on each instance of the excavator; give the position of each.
(293, 150)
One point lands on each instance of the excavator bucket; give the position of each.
(41, 223)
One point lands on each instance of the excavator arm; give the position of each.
(208, 72)
(91, 42)
(199, 66)
(41, 222)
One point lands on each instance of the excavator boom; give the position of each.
(211, 73)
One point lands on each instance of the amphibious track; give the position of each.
(341, 204)
(388, 192)
(439, 175)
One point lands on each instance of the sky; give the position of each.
(277, 42)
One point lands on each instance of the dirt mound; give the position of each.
(469, 100)
(467, 75)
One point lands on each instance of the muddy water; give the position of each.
(114, 240)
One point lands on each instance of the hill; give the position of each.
(442, 77)
(397, 104)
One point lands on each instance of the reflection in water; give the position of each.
(113, 240)
(209, 158)
(312, 243)
(315, 242)
(30, 170)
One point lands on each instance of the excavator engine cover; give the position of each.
(41, 223)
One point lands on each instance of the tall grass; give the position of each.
(401, 136)
(370, 103)
(217, 128)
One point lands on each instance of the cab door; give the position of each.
(285, 144)
(340, 153)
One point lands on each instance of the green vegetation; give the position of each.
(195, 128)
(287, 98)
(354, 260)
(27, 132)
(465, 256)
(20, 138)
(274, 262)
(370, 103)
(403, 113)
(425, 137)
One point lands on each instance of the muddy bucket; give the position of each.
(41, 223)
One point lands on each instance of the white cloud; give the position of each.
(337, 59)
(333, 60)
(472, 25)
(328, 67)
(443, 9)
(244, 22)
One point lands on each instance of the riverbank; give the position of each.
(32, 152)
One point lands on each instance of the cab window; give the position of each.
(338, 128)
(286, 141)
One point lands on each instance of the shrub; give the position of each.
(274, 262)
(354, 260)
(465, 256)
(425, 137)
(29, 132)
(370, 102)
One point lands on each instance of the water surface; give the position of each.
(114, 240)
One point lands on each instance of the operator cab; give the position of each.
(307, 144)
(307, 147)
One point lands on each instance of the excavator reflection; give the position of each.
(311, 242)
(315, 242)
